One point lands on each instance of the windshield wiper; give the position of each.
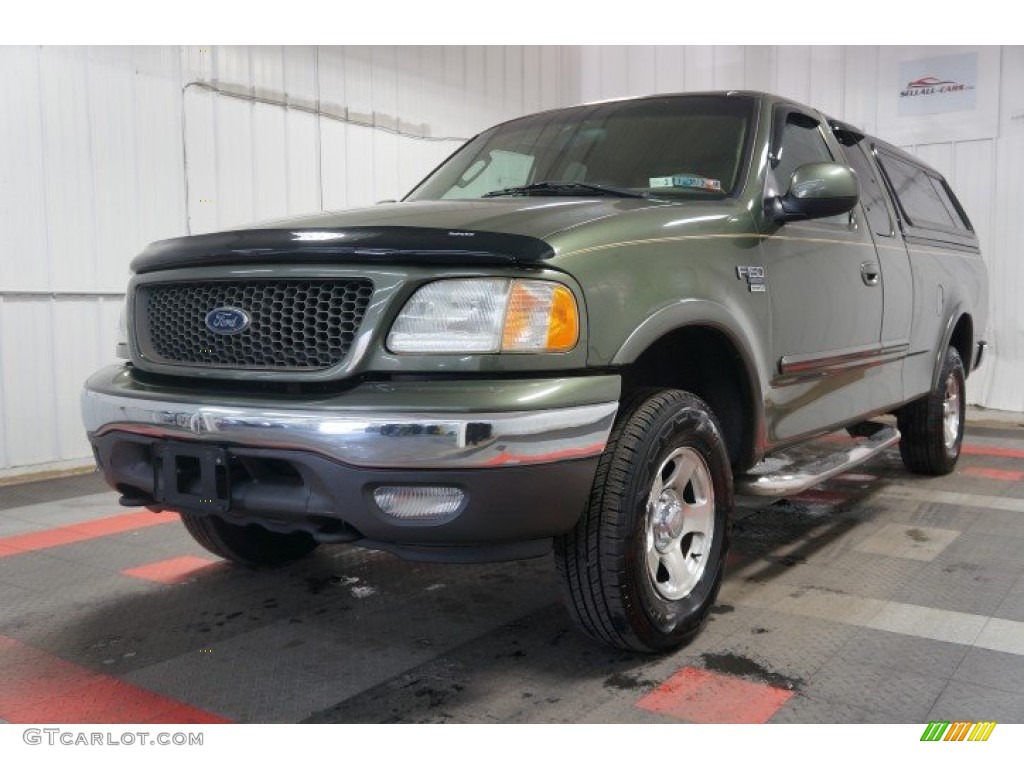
(564, 188)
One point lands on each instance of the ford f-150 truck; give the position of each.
(584, 331)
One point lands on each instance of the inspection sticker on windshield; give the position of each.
(686, 181)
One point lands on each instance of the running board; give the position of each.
(785, 474)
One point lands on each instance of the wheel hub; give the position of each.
(680, 523)
(668, 520)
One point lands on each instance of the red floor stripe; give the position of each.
(37, 687)
(174, 571)
(699, 696)
(995, 474)
(992, 450)
(92, 529)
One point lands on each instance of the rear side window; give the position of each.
(919, 195)
(952, 204)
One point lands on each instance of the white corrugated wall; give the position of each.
(103, 150)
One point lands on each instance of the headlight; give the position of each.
(487, 315)
(121, 350)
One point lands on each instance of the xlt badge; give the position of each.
(754, 276)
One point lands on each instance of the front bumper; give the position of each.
(522, 452)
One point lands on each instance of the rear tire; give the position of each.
(932, 427)
(641, 569)
(251, 545)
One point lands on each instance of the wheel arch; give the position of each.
(958, 333)
(660, 351)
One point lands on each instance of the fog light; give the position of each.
(418, 502)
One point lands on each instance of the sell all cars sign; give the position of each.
(938, 84)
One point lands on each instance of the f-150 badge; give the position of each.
(754, 277)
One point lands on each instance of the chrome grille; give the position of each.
(302, 325)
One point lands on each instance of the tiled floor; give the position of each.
(878, 597)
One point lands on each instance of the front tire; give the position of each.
(932, 427)
(641, 569)
(251, 545)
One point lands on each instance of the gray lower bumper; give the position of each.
(381, 439)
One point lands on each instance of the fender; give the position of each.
(701, 312)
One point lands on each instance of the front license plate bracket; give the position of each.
(192, 477)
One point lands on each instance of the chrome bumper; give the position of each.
(377, 440)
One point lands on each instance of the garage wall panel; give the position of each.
(860, 86)
(302, 162)
(730, 66)
(642, 70)
(793, 72)
(669, 69)
(300, 65)
(159, 151)
(27, 357)
(74, 354)
(759, 68)
(24, 253)
(826, 78)
(115, 181)
(234, 162)
(700, 67)
(68, 168)
(199, 153)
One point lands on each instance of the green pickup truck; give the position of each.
(584, 331)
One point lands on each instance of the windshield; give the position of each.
(673, 146)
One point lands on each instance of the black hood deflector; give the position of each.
(393, 245)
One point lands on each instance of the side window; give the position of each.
(952, 204)
(917, 195)
(802, 142)
(871, 192)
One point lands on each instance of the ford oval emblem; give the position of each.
(226, 321)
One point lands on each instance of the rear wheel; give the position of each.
(251, 545)
(932, 427)
(641, 569)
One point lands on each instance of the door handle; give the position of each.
(870, 273)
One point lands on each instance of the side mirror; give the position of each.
(816, 190)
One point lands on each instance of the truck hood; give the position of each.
(505, 231)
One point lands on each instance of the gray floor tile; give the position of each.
(806, 709)
(854, 574)
(916, 542)
(890, 650)
(966, 701)
(1012, 606)
(905, 695)
(24, 494)
(793, 647)
(957, 584)
(996, 552)
(13, 526)
(992, 669)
